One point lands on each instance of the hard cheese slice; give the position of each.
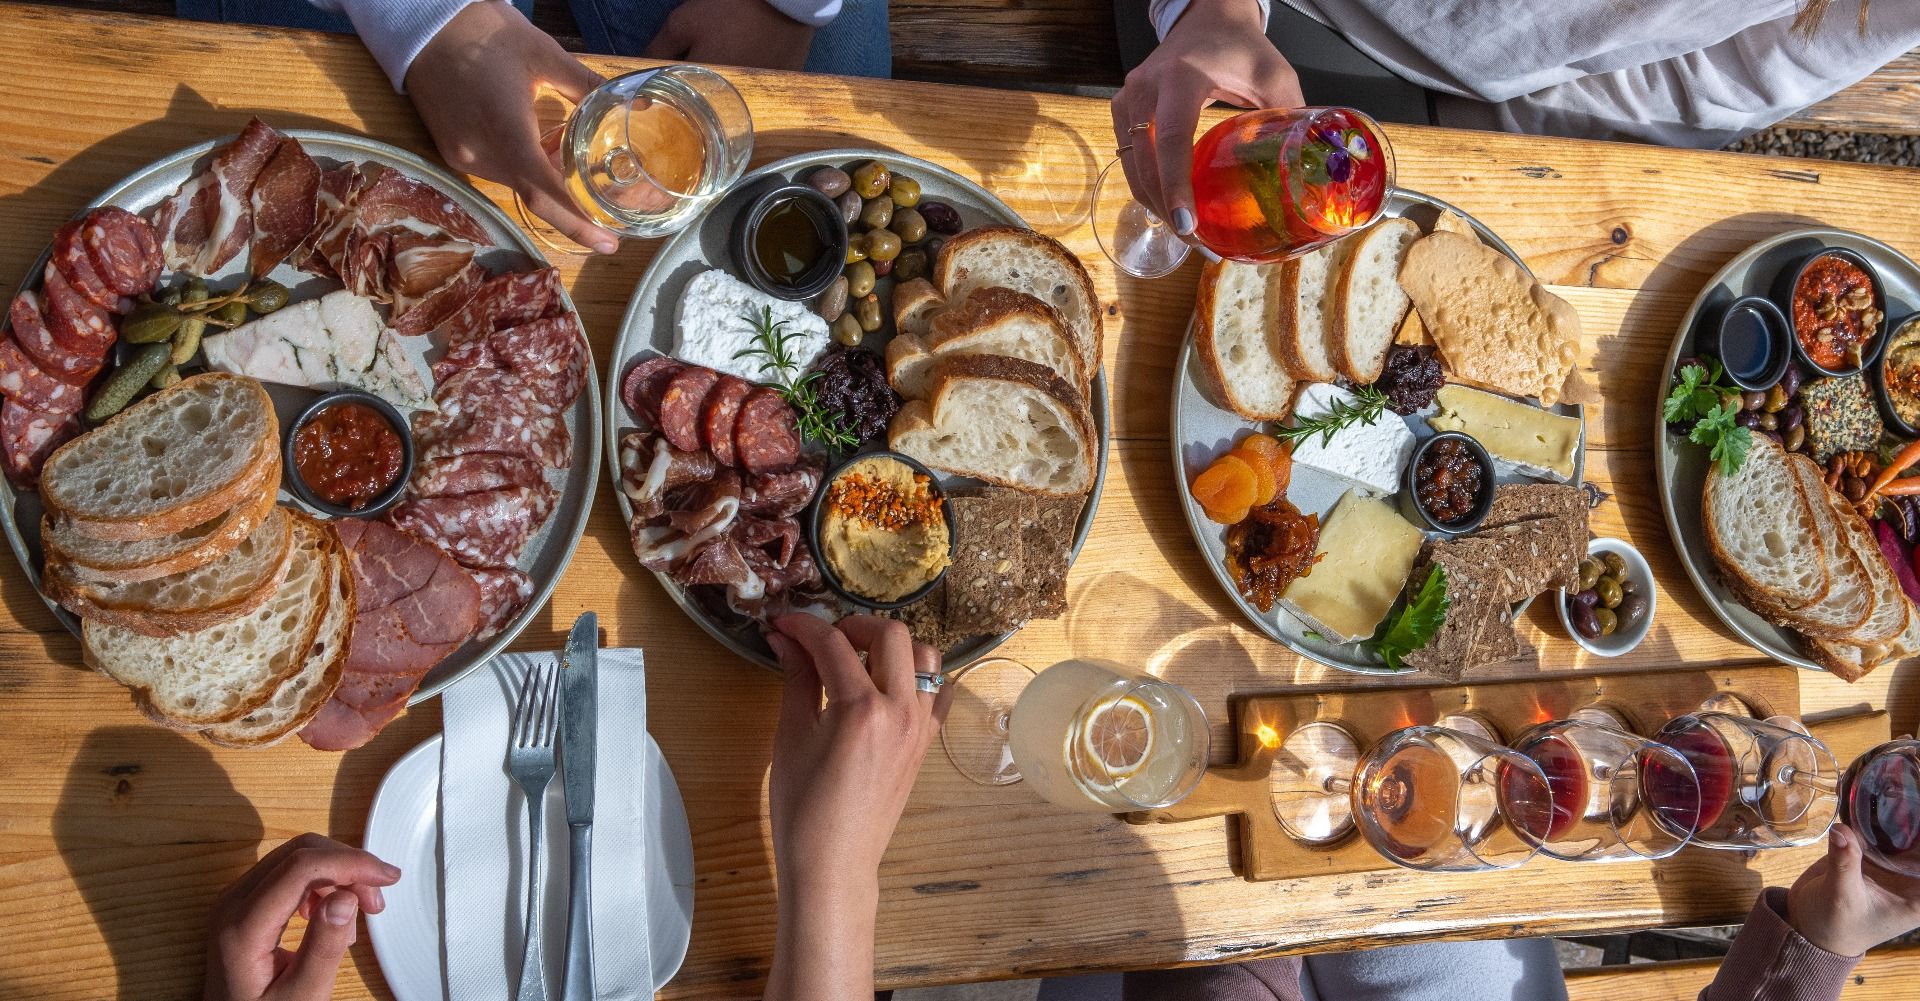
(1367, 548)
(1536, 442)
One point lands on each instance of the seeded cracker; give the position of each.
(1493, 323)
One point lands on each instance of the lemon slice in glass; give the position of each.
(1118, 737)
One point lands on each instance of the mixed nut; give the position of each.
(891, 233)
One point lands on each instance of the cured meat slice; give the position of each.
(333, 220)
(30, 330)
(28, 437)
(388, 197)
(781, 495)
(680, 406)
(650, 467)
(364, 271)
(766, 438)
(646, 383)
(488, 410)
(473, 472)
(502, 301)
(70, 258)
(23, 381)
(545, 354)
(122, 251)
(339, 726)
(418, 315)
(208, 221)
(503, 594)
(423, 263)
(283, 202)
(718, 415)
(78, 326)
(487, 529)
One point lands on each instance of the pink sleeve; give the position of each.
(1769, 961)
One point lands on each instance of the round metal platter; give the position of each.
(1203, 430)
(546, 555)
(649, 325)
(1682, 466)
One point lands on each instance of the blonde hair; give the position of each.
(1810, 16)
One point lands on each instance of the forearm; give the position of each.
(823, 945)
(1163, 13)
(1769, 961)
(396, 30)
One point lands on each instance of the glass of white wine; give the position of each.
(646, 152)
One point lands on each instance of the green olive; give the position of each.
(1607, 620)
(905, 191)
(860, 279)
(1590, 570)
(1616, 563)
(870, 179)
(846, 330)
(909, 265)
(910, 224)
(876, 213)
(267, 295)
(1608, 588)
(856, 247)
(1776, 399)
(867, 310)
(883, 245)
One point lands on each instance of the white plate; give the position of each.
(404, 829)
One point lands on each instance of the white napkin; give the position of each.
(483, 836)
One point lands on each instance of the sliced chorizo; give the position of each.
(680, 406)
(766, 438)
(718, 416)
(22, 380)
(124, 249)
(30, 330)
(646, 383)
(78, 325)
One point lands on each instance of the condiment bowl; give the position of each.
(1899, 424)
(1410, 493)
(1789, 279)
(290, 473)
(1777, 331)
(747, 230)
(816, 511)
(1622, 640)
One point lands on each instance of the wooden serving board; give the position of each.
(1646, 701)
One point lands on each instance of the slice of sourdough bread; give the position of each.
(1368, 302)
(1003, 420)
(1306, 305)
(299, 698)
(100, 560)
(1849, 600)
(915, 304)
(1763, 532)
(229, 587)
(172, 461)
(220, 674)
(1025, 261)
(992, 321)
(1236, 321)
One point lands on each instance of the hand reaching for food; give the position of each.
(318, 878)
(474, 85)
(1845, 905)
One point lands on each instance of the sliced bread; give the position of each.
(1886, 615)
(1762, 531)
(170, 462)
(1305, 334)
(992, 321)
(915, 304)
(229, 587)
(1851, 591)
(1007, 421)
(299, 698)
(1851, 663)
(1025, 261)
(91, 559)
(1368, 302)
(220, 674)
(1236, 320)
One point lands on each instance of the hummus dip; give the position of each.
(882, 529)
(1902, 372)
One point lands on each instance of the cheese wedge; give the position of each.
(1536, 442)
(1368, 549)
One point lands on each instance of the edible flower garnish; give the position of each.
(1413, 624)
(772, 347)
(1369, 403)
(1698, 396)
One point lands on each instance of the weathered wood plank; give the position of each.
(1886, 101)
(1884, 975)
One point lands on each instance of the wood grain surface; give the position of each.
(115, 834)
(1885, 975)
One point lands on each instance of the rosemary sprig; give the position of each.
(1369, 403)
(772, 346)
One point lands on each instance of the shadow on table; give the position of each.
(151, 829)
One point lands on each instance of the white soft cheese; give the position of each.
(716, 322)
(1369, 456)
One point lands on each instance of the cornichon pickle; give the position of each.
(151, 323)
(167, 376)
(127, 380)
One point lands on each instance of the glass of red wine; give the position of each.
(1431, 798)
(1880, 801)
(1602, 809)
(1757, 784)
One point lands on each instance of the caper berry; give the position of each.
(266, 295)
(867, 309)
(860, 279)
(856, 247)
(1606, 620)
(1608, 589)
(870, 179)
(171, 297)
(910, 224)
(909, 265)
(876, 213)
(830, 181)
(883, 245)
(905, 191)
(232, 314)
(846, 330)
(1616, 564)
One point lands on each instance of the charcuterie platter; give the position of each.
(859, 383)
(1364, 456)
(294, 433)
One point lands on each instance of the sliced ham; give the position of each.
(208, 221)
(283, 202)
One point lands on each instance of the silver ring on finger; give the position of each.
(1139, 127)
(929, 683)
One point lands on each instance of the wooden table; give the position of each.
(115, 834)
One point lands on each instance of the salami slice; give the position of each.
(546, 353)
(473, 472)
(28, 437)
(486, 529)
(70, 258)
(31, 386)
(30, 329)
(646, 383)
(124, 249)
(766, 439)
(78, 325)
(490, 410)
(680, 406)
(717, 417)
(503, 593)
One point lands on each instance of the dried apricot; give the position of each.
(1278, 456)
(1226, 488)
(1257, 451)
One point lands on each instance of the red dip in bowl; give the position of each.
(1834, 317)
(348, 454)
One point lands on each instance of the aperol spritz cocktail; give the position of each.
(1269, 185)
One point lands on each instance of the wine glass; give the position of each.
(1084, 734)
(1267, 186)
(1880, 801)
(1597, 775)
(1757, 783)
(646, 152)
(1432, 798)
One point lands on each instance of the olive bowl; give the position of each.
(1621, 640)
(1789, 279)
(816, 511)
(297, 485)
(1482, 503)
(745, 233)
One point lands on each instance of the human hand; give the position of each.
(474, 85)
(1216, 51)
(1846, 909)
(317, 878)
(733, 33)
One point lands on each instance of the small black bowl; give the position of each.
(824, 214)
(1748, 325)
(381, 501)
(1879, 381)
(1481, 504)
(1788, 278)
(826, 566)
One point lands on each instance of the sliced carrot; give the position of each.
(1226, 487)
(1265, 485)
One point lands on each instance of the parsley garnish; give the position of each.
(772, 345)
(1699, 396)
(1413, 624)
(1367, 406)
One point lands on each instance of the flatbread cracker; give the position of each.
(1491, 321)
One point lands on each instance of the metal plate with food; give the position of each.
(1362, 451)
(859, 382)
(295, 434)
(1786, 441)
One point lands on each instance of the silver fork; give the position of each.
(530, 762)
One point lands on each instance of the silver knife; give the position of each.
(579, 711)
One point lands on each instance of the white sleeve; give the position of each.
(1164, 12)
(396, 30)
(812, 13)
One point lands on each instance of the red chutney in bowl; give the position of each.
(348, 454)
(1834, 316)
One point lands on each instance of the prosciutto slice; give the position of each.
(284, 203)
(208, 221)
(388, 198)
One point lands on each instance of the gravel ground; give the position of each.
(1858, 147)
